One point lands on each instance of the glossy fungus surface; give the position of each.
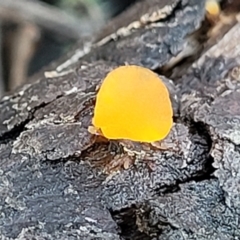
(133, 103)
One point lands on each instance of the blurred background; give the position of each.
(33, 33)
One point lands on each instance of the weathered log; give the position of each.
(52, 183)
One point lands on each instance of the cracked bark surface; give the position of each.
(52, 184)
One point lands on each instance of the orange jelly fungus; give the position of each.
(133, 103)
(212, 7)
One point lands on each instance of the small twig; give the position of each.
(21, 52)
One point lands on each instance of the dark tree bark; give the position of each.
(52, 183)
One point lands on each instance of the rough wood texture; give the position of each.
(52, 184)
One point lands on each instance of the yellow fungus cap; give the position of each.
(212, 7)
(133, 103)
